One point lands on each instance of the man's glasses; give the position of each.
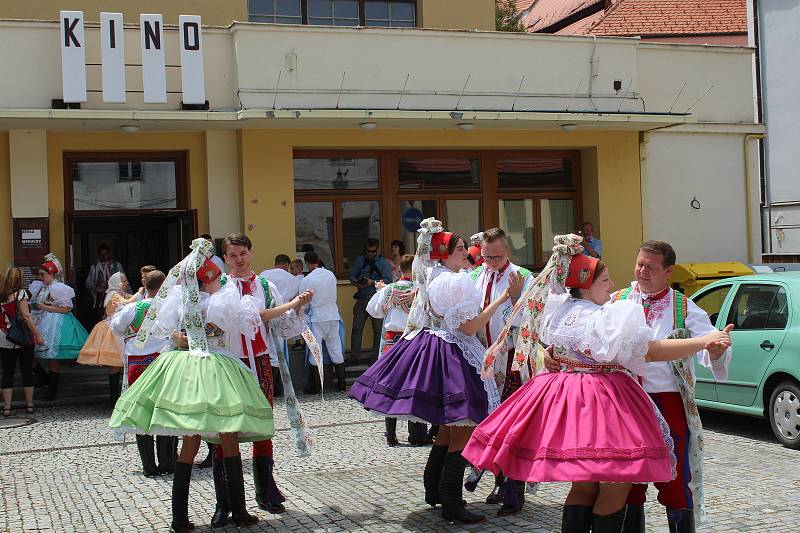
(491, 257)
(372, 251)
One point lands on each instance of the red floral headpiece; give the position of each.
(581, 272)
(208, 272)
(440, 242)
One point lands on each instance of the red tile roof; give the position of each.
(540, 14)
(667, 17)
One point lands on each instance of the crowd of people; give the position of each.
(534, 378)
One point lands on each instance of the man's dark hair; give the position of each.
(282, 259)
(207, 237)
(236, 239)
(494, 234)
(372, 241)
(103, 246)
(587, 223)
(406, 262)
(153, 280)
(147, 269)
(312, 258)
(660, 248)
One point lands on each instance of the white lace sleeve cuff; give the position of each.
(459, 313)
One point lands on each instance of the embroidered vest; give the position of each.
(138, 318)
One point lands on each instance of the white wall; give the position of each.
(780, 80)
(678, 167)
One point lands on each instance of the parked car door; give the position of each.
(759, 313)
(712, 301)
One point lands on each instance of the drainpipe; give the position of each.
(747, 199)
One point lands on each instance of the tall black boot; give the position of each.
(499, 490)
(180, 499)
(433, 474)
(234, 492)
(114, 386)
(576, 519)
(144, 443)
(221, 511)
(268, 496)
(514, 498)
(634, 519)
(206, 463)
(391, 431)
(313, 385)
(341, 382)
(41, 375)
(453, 507)
(418, 434)
(277, 382)
(52, 387)
(609, 523)
(166, 448)
(681, 521)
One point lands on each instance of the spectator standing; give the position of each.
(591, 244)
(324, 317)
(97, 280)
(14, 302)
(288, 285)
(397, 250)
(367, 269)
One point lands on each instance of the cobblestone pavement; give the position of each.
(66, 473)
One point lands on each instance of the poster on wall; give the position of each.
(31, 244)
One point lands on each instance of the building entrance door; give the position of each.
(160, 239)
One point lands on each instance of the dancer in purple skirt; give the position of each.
(432, 374)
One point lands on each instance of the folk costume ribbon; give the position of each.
(419, 314)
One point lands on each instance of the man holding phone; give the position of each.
(368, 269)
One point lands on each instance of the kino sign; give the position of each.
(112, 54)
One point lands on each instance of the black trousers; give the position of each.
(9, 357)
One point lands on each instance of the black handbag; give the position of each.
(18, 331)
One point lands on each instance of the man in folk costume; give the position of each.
(99, 274)
(125, 324)
(491, 279)
(671, 386)
(237, 250)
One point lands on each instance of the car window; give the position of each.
(711, 301)
(759, 307)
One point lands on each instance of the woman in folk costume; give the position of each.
(103, 348)
(432, 372)
(51, 302)
(205, 391)
(591, 423)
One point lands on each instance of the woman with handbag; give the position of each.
(18, 334)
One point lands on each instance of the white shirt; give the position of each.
(394, 319)
(658, 376)
(119, 326)
(499, 280)
(323, 304)
(287, 284)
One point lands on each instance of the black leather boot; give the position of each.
(433, 474)
(681, 521)
(418, 434)
(313, 385)
(268, 496)
(514, 498)
(576, 519)
(206, 463)
(180, 499)
(341, 382)
(234, 492)
(391, 431)
(114, 386)
(609, 523)
(144, 443)
(277, 382)
(52, 387)
(166, 451)
(221, 511)
(453, 507)
(634, 519)
(499, 490)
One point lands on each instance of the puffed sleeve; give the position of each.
(234, 313)
(456, 299)
(122, 319)
(61, 294)
(375, 304)
(618, 333)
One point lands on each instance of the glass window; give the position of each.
(314, 230)
(557, 218)
(439, 174)
(412, 212)
(555, 173)
(360, 220)
(390, 13)
(335, 174)
(462, 217)
(711, 301)
(99, 186)
(517, 220)
(275, 11)
(752, 307)
(333, 12)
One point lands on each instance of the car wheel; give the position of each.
(784, 414)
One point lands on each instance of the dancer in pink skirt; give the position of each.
(592, 423)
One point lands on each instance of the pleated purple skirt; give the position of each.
(424, 378)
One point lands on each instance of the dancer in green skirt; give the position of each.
(203, 391)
